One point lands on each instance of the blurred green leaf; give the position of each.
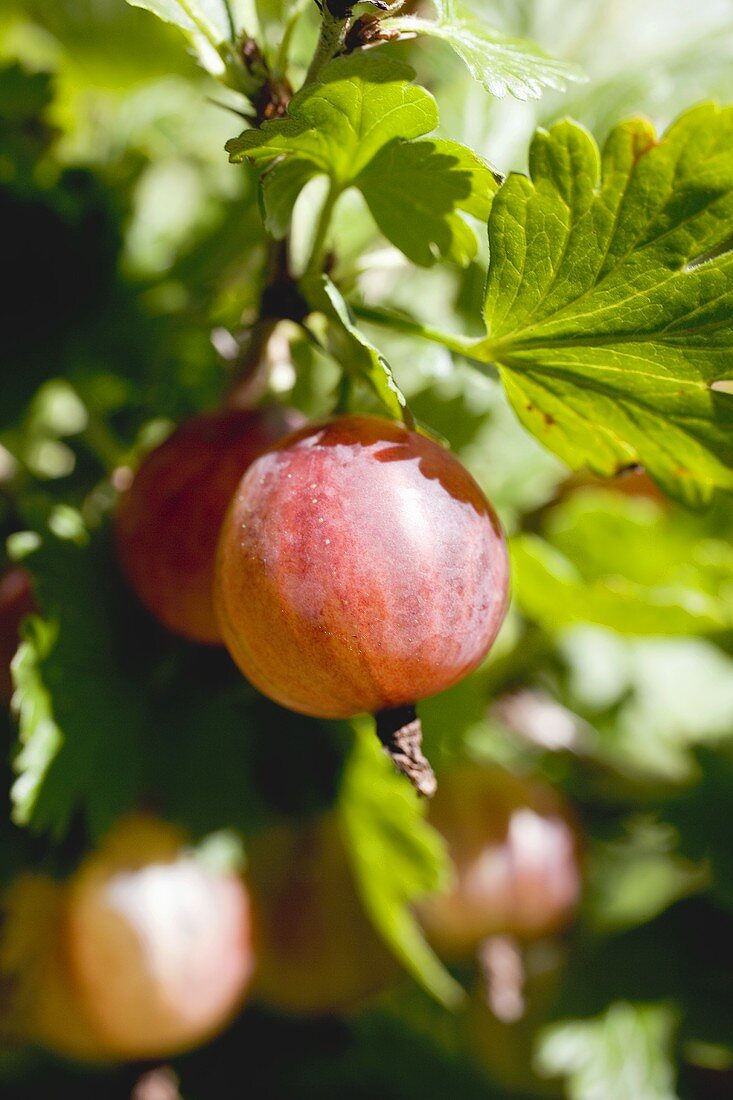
(635, 877)
(608, 302)
(210, 28)
(396, 858)
(210, 18)
(626, 1053)
(651, 700)
(701, 815)
(624, 564)
(499, 62)
(85, 730)
(357, 125)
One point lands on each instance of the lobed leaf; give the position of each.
(499, 62)
(414, 192)
(609, 301)
(359, 125)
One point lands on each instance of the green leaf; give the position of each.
(414, 192)
(357, 125)
(396, 858)
(634, 878)
(23, 94)
(701, 814)
(652, 700)
(609, 301)
(84, 728)
(625, 1053)
(499, 62)
(208, 25)
(280, 186)
(352, 349)
(339, 123)
(209, 18)
(626, 565)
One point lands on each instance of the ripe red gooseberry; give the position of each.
(168, 520)
(317, 951)
(151, 952)
(360, 569)
(516, 856)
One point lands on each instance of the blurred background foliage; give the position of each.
(134, 260)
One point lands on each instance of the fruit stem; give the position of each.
(400, 731)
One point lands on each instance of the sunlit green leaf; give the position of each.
(358, 125)
(609, 302)
(208, 25)
(415, 191)
(498, 61)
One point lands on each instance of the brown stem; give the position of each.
(400, 731)
(367, 31)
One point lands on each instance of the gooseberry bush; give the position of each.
(366, 605)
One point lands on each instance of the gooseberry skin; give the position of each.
(516, 855)
(360, 568)
(317, 951)
(168, 520)
(156, 946)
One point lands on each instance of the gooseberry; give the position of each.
(317, 951)
(360, 569)
(148, 951)
(168, 520)
(515, 851)
(39, 1003)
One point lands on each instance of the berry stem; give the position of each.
(400, 731)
